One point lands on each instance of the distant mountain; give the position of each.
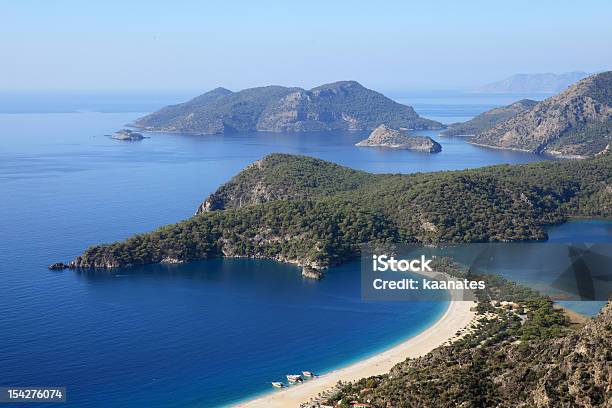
(533, 83)
(345, 105)
(574, 123)
(488, 119)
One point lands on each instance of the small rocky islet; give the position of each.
(387, 137)
(127, 135)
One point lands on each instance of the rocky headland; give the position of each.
(314, 213)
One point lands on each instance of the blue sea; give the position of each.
(198, 335)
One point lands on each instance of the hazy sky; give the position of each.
(387, 45)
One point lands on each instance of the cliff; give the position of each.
(575, 123)
(384, 136)
(345, 105)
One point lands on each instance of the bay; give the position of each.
(203, 334)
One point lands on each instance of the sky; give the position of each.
(385, 45)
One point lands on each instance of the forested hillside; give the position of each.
(344, 105)
(316, 213)
(575, 123)
(522, 353)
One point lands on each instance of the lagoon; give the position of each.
(203, 334)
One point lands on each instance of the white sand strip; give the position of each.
(457, 316)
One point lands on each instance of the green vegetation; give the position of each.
(316, 213)
(324, 233)
(278, 178)
(170, 115)
(220, 113)
(521, 351)
(488, 119)
(340, 105)
(588, 140)
(575, 122)
(507, 300)
(600, 88)
(521, 354)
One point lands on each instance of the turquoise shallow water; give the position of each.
(577, 231)
(202, 334)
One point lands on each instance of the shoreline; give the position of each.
(458, 315)
(551, 154)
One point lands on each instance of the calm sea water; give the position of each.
(203, 334)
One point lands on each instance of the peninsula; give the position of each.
(345, 105)
(384, 136)
(315, 213)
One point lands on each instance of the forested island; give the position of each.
(315, 213)
(344, 105)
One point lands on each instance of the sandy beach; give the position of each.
(457, 316)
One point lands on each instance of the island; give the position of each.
(314, 213)
(127, 134)
(384, 136)
(577, 123)
(344, 105)
(311, 273)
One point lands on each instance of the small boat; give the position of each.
(294, 377)
(277, 384)
(307, 374)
